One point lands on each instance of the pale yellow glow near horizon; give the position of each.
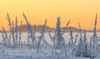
(37, 11)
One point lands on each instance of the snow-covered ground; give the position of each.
(44, 53)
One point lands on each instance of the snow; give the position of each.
(44, 53)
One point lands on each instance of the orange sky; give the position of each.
(37, 11)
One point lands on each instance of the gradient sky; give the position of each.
(37, 11)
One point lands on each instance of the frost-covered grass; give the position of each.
(57, 45)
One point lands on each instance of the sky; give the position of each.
(37, 11)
